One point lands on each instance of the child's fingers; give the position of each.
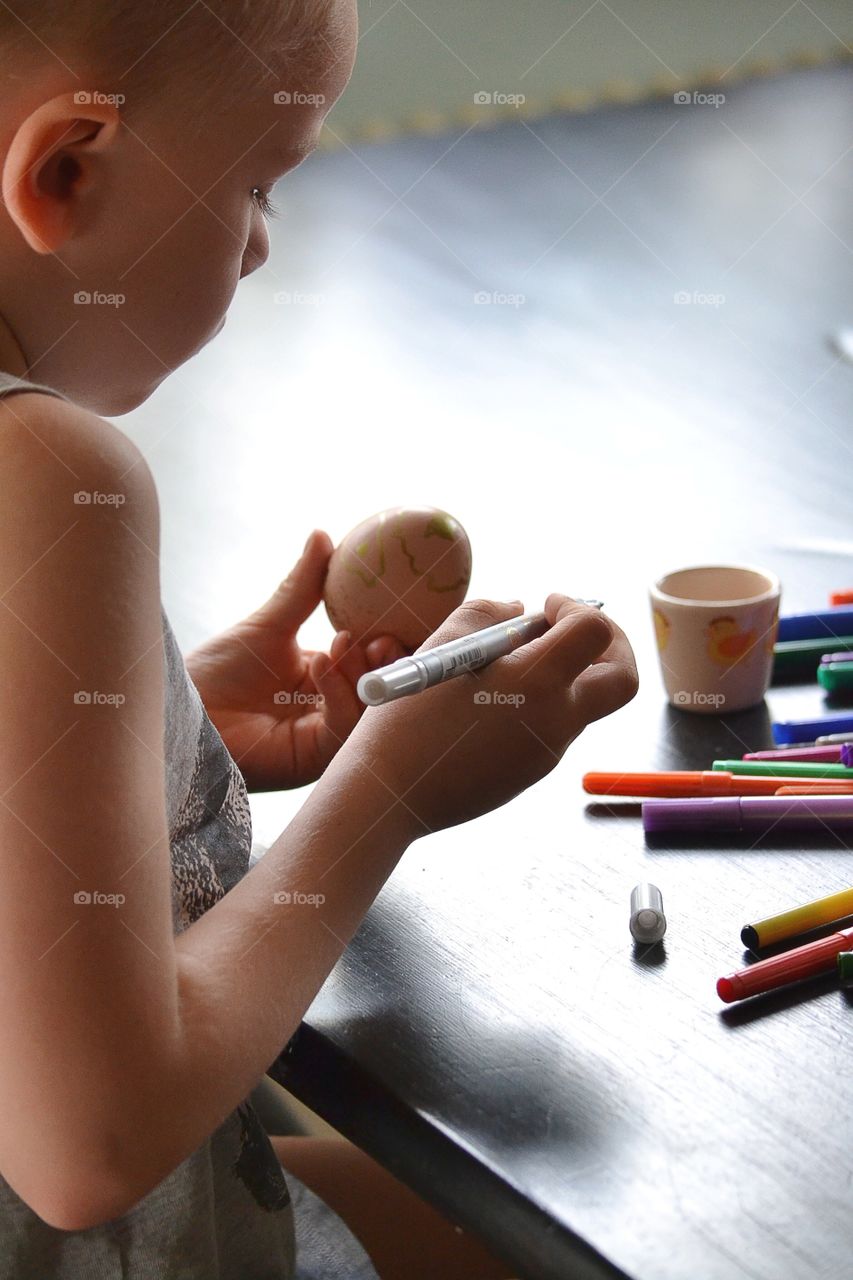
(384, 650)
(579, 634)
(605, 686)
(341, 707)
(348, 657)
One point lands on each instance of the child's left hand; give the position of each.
(260, 689)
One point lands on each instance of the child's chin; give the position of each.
(116, 401)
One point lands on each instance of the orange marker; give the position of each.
(706, 782)
(841, 597)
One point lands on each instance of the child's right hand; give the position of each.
(450, 753)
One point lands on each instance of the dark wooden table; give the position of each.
(491, 1034)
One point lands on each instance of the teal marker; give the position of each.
(790, 769)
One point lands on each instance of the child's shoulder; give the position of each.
(42, 434)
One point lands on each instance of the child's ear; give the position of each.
(52, 161)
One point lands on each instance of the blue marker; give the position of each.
(786, 731)
(817, 626)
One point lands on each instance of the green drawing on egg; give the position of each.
(440, 525)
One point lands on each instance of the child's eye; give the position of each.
(263, 202)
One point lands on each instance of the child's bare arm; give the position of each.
(88, 991)
(141, 1046)
(145, 1043)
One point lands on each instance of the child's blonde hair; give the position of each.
(145, 49)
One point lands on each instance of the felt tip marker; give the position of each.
(811, 626)
(835, 677)
(829, 787)
(813, 755)
(764, 933)
(841, 597)
(803, 769)
(791, 966)
(751, 814)
(799, 730)
(465, 653)
(836, 657)
(832, 739)
(799, 659)
(707, 782)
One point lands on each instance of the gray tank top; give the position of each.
(225, 1213)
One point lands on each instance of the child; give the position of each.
(147, 977)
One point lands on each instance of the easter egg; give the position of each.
(399, 573)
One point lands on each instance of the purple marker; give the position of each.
(847, 755)
(753, 814)
(818, 755)
(837, 657)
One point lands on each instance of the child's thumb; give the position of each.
(296, 598)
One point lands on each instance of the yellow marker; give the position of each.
(799, 920)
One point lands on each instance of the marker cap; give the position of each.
(845, 967)
(648, 922)
(401, 677)
(722, 813)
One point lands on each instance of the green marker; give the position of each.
(788, 769)
(792, 658)
(836, 677)
(845, 967)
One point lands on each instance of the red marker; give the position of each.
(791, 966)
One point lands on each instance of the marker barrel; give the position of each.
(800, 658)
(835, 677)
(707, 782)
(800, 730)
(810, 755)
(764, 933)
(754, 814)
(812, 626)
(801, 769)
(792, 966)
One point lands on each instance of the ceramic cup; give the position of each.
(716, 626)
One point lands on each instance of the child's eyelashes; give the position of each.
(263, 202)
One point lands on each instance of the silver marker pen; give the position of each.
(465, 653)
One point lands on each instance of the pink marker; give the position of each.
(818, 755)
